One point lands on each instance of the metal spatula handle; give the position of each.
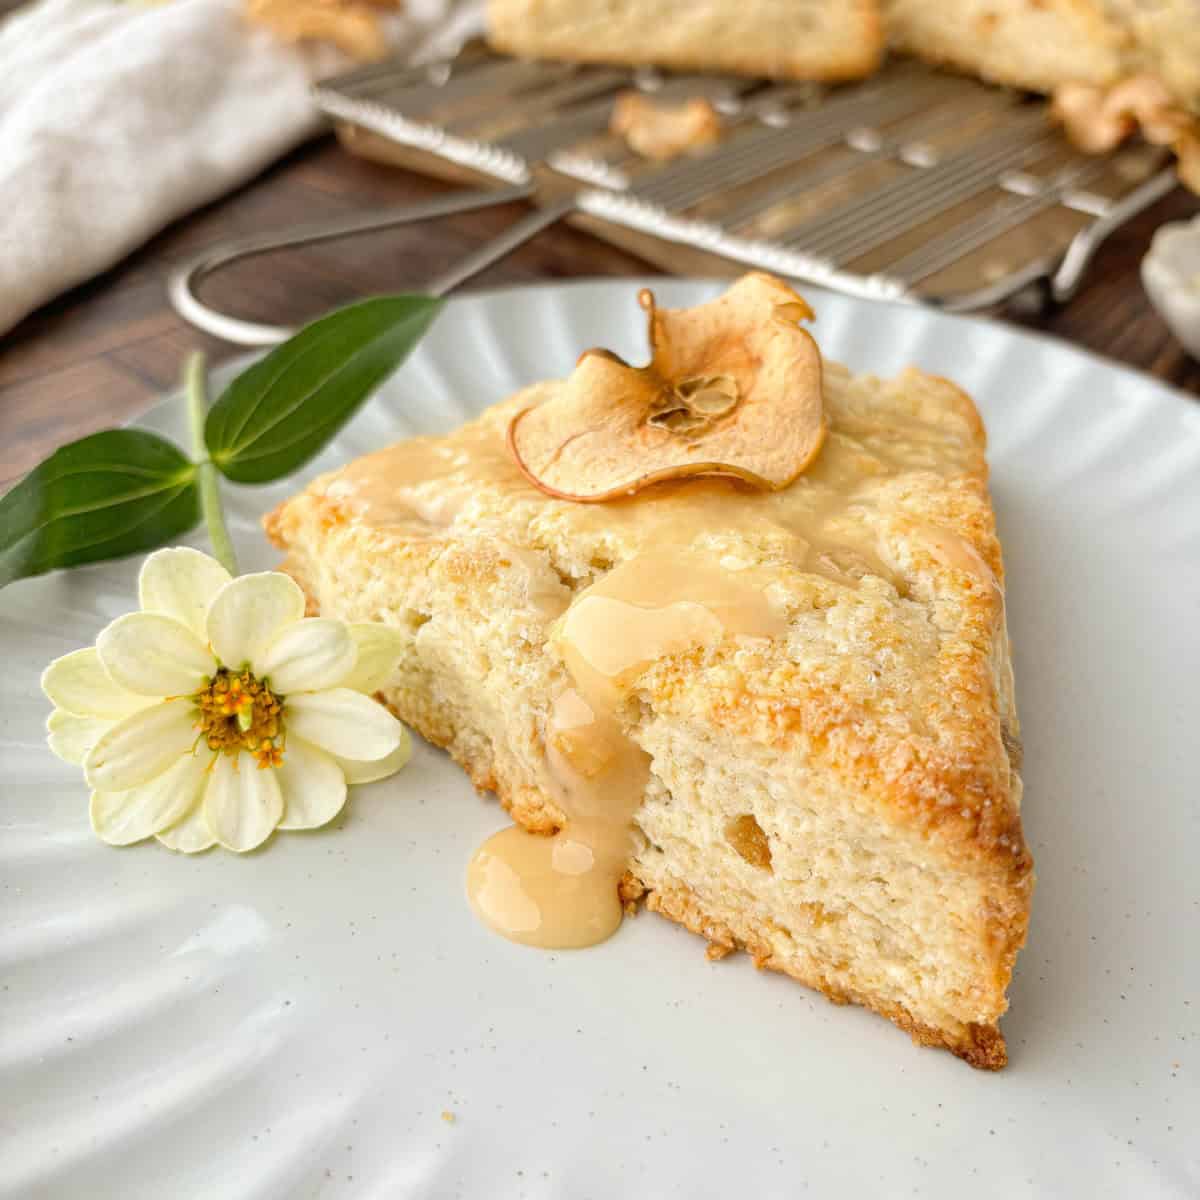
(503, 244)
(185, 279)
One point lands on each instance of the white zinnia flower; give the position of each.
(220, 712)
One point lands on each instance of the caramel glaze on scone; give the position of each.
(841, 799)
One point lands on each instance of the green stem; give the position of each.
(196, 385)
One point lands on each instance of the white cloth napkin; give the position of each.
(117, 118)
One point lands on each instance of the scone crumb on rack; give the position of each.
(661, 131)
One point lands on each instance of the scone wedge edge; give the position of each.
(842, 801)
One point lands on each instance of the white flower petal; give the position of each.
(307, 656)
(357, 771)
(248, 614)
(122, 818)
(181, 583)
(313, 786)
(243, 803)
(72, 737)
(78, 683)
(154, 655)
(343, 722)
(379, 650)
(141, 746)
(191, 834)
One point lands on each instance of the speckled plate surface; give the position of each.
(297, 1022)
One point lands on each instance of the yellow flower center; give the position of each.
(238, 712)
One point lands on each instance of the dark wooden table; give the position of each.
(107, 350)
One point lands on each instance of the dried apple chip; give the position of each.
(733, 388)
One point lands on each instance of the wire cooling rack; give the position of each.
(914, 184)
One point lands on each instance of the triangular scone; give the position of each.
(1019, 42)
(800, 39)
(834, 785)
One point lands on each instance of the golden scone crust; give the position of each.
(1166, 43)
(806, 39)
(1048, 43)
(888, 701)
(1024, 44)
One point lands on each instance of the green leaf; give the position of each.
(105, 496)
(275, 416)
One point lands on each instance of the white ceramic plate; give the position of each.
(295, 1023)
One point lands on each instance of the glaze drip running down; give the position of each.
(563, 891)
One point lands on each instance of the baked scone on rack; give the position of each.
(795, 39)
(1047, 44)
(726, 635)
(1030, 45)
(1166, 38)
